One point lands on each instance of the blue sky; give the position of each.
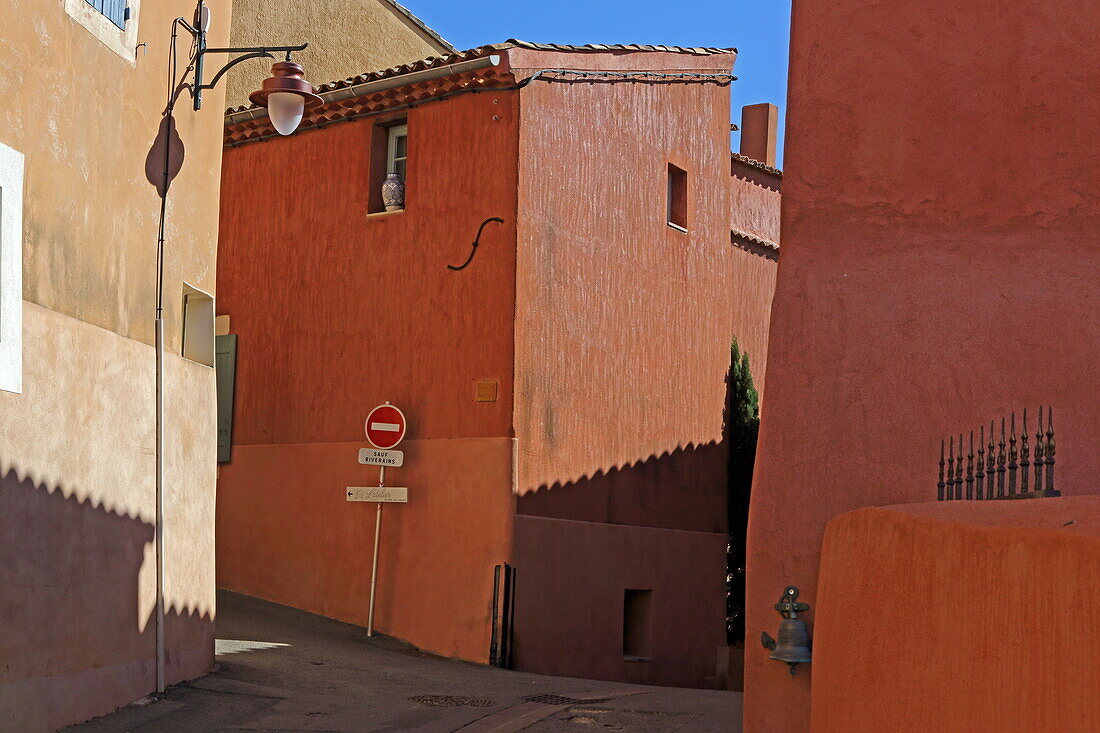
(759, 29)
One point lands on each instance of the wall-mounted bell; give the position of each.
(793, 646)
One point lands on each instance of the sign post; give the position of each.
(385, 428)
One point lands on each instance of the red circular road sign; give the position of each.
(385, 426)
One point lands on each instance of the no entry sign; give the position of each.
(385, 426)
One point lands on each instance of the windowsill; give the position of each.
(374, 214)
(633, 658)
(677, 227)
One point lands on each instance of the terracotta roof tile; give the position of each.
(473, 53)
(753, 239)
(753, 163)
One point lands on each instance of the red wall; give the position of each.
(623, 330)
(337, 311)
(960, 616)
(941, 246)
(623, 326)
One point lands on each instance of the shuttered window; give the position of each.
(225, 366)
(115, 10)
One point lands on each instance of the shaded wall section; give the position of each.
(77, 609)
(570, 585)
(941, 247)
(959, 617)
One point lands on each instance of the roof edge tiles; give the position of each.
(753, 163)
(753, 239)
(473, 53)
(428, 30)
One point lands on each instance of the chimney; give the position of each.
(759, 123)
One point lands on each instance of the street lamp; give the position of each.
(286, 95)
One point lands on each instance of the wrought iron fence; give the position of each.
(1000, 471)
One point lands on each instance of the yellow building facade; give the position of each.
(81, 99)
(346, 37)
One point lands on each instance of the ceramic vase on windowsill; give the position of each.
(393, 192)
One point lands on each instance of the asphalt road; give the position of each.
(285, 670)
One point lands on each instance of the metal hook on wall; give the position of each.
(477, 240)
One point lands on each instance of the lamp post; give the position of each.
(286, 95)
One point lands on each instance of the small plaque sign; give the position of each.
(487, 390)
(383, 494)
(375, 457)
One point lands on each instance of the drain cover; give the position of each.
(453, 701)
(562, 700)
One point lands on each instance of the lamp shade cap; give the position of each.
(286, 76)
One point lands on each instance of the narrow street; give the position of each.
(279, 669)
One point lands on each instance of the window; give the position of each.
(677, 198)
(637, 606)
(113, 22)
(397, 150)
(11, 270)
(225, 375)
(198, 326)
(389, 154)
(115, 10)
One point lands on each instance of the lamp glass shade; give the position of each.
(286, 110)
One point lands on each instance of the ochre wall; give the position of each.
(941, 247)
(77, 447)
(90, 217)
(960, 616)
(337, 311)
(346, 38)
(754, 209)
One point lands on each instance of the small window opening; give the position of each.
(677, 198)
(637, 624)
(198, 326)
(389, 154)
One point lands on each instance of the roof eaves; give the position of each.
(402, 10)
(603, 47)
(753, 163)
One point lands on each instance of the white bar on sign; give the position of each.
(383, 494)
(388, 426)
(375, 457)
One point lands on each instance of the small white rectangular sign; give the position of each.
(375, 457)
(386, 494)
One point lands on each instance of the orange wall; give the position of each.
(336, 312)
(314, 286)
(287, 533)
(960, 617)
(941, 245)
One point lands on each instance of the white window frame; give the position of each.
(11, 270)
(197, 326)
(122, 42)
(391, 148)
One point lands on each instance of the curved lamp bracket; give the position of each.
(477, 240)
